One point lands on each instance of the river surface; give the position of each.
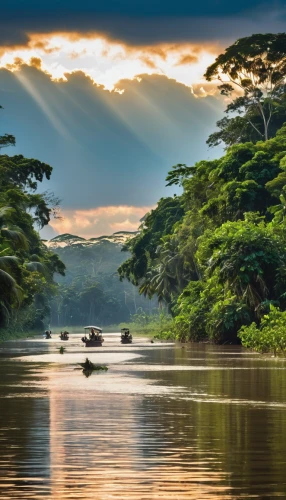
(164, 422)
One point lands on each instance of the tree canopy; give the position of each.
(254, 70)
(220, 263)
(27, 266)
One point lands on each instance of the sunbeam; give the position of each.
(43, 104)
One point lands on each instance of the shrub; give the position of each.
(270, 336)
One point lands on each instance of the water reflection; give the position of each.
(194, 423)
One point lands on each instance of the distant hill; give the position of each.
(91, 291)
(66, 239)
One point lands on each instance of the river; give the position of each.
(164, 422)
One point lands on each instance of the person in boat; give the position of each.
(126, 334)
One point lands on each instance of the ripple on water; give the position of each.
(156, 425)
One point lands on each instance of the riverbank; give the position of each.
(153, 329)
(105, 329)
(157, 327)
(7, 334)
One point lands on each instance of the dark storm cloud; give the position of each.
(106, 148)
(142, 23)
(132, 8)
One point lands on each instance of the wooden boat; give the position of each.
(95, 338)
(64, 336)
(126, 337)
(97, 342)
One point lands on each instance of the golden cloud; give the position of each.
(108, 61)
(94, 222)
(36, 62)
(187, 59)
(126, 225)
(149, 63)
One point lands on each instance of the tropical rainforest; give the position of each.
(42, 286)
(27, 266)
(90, 292)
(215, 255)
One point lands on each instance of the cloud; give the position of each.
(187, 59)
(107, 61)
(106, 149)
(147, 61)
(141, 23)
(35, 62)
(126, 225)
(101, 220)
(146, 9)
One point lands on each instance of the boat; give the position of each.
(64, 335)
(126, 337)
(95, 338)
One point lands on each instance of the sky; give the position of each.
(112, 94)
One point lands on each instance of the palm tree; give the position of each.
(170, 254)
(11, 234)
(10, 292)
(11, 238)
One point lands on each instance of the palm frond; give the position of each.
(8, 262)
(4, 211)
(8, 286)
(35, 258)
(4, 312)
(16, 237)
(251, 296)
(7, 280)
(36, 267)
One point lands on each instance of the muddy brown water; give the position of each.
(164, 422)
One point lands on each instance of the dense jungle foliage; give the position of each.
(216, 255)
(90, 292)
(27, 267)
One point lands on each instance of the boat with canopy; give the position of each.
(95, 338)
(126, 337)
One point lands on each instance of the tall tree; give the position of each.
(254, 66)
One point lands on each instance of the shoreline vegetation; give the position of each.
(7, 334)
(27, 266)
(215, 255)
(158, 326)
(151, 327)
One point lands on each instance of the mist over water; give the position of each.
(198, 422)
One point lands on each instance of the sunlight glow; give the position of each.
(94, 222)
(107, 62)
(45, 106)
